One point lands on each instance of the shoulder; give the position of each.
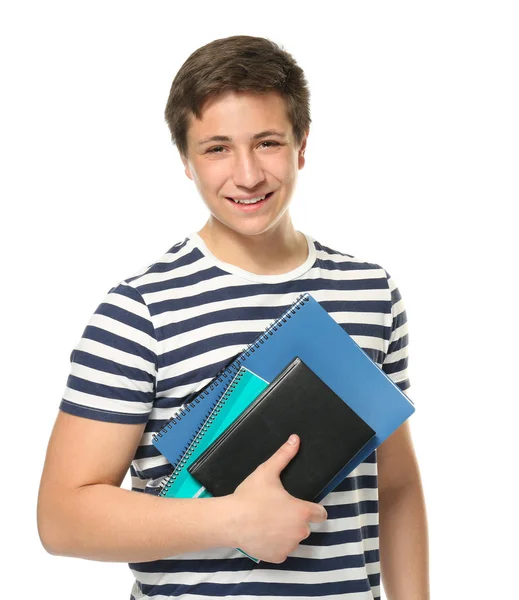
(337, 260)
(136, 293)
(169, 266)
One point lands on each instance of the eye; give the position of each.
(215, 150)
(269, 144)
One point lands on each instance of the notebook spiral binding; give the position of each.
(232, 368)
(203, 430)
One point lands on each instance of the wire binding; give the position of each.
(169, 481)
(234, 366)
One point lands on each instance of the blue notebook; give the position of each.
(306, 330)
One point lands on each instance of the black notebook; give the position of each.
(297, 401)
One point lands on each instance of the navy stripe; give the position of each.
(400, 343)
(119, 343)
(377, 356)
(165, 267)
(331, 265)
(259, 589)
(157, 267)
(404, 385)
(298, 286)
(154, 425)
(126, 290)
(357, 483)
(108, 366)
(346, 536)
(127, 318)
(206, 371)
(108, 391)
(366, 329)
(227, 315)
(365, 306)
(100, 415)
(323, 248)
(395, 296)
(341, 511)
(146, 452)
(399, 320)
(165, 402)
(265, 313)
(178, 246)
(197, 375)
(292, 563)
(182, 282)
(395, 367)
(157, 472)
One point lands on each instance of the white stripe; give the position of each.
(196, 362)
(279, 301)
(109, 379)
(339, 259)
(117, 356)
(122, 330)
(353, 275)
(183, 291)
(396, 356)
(399, 332)
(259, 575)
(199, 596)
(129, 304)
(150, 462)
(106, 404)
(346, 549)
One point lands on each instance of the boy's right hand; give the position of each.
(269, 523)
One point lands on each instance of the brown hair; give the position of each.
(239, 63)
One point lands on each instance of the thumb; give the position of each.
(280, 459)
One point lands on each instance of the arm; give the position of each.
(83, 512)
(403, 524)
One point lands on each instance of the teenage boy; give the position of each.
(238, 112)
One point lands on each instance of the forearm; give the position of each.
(104, 522)
(404, 555)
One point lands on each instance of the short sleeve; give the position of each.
(113, 367)
(395, 363)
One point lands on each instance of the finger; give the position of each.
(318, 513)
(280, 459)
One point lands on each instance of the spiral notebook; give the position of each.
(306, 330)
(240, 394)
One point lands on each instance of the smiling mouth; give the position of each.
(251, 201)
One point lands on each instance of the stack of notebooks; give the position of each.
(304, 374)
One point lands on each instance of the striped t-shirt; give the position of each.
(162, 335)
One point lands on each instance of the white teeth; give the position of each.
(251, 201)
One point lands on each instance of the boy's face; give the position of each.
(243, 148)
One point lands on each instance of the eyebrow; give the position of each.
(256, 136)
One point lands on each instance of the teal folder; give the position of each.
(243, 390)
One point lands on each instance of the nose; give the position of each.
(247, 171)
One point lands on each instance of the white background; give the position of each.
(412, 163)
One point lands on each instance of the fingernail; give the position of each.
(292, 440)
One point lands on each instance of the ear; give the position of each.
(301, 154)
(187, 168)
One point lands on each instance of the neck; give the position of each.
(275, 251)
